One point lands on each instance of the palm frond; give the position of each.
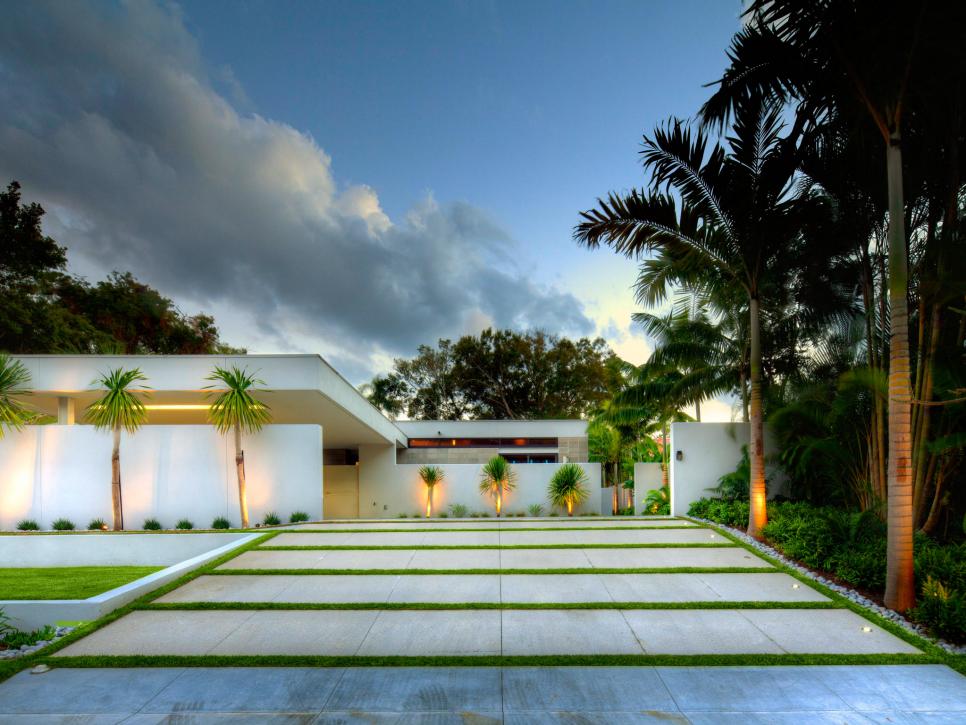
(233, 402)
(120, 406)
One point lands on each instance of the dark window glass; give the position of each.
(482, 442)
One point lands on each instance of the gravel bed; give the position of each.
(845, 591)
(29, 649)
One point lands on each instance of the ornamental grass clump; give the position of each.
(271, 519)
(184, 525)
(97, 524)
(151, 525)
(459, 510)
(63, 525)
(568, 487)
(497, 479)
(298, 517)
(27, 525)
(535, 509)
(221, 522)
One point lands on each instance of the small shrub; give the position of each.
(221, 522)
(590, 513)
(475, 515)
(271, 519)
(184, 525)
(15, 639)
(417, 515)
(458, 510)
(151, 525)
(942, 609)
(443, 515)
(298, 517)
(63, 525)
(554, 513)
(402, 516)
(485, 514)
(535, 509)
(27, 525)
(97, 525)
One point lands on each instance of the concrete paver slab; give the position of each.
(605, 536)
(552, 589)
(446, 588)
(656, 558)
(415, 633)
(240, 588)
(574, 631)
(455, 559)
(160, 632)
(760, 587)
(544, 559)
(658, 588)
(821, 631)
(366, 559)
(697, 631)
(298, 632)
(606, 717)
(266, 689)
(338, 588)
(581, 689)
(275, 560)
(830, 717)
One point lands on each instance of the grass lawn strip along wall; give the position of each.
(67, 582)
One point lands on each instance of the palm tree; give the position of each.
(235, 409)
(14, 381)
(568, 487)
(878, 64)
(658, 500)
(737, 216)
(432, 476)
(119, 408)
(497, 479)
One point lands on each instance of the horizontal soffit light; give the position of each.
(177, 407)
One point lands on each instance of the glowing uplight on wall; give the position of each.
(178, 406)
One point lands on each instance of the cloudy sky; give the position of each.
(351, 178)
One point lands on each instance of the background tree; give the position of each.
(120, 408)
(235, 409)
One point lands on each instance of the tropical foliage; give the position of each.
(14, 383)
(658, 501)
(568, 487)
(235, 409)
(431, 477)
(497, 479)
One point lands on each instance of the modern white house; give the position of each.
(328, 451)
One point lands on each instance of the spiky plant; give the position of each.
(235, 409)
(568, 487)
(498, 478)
(14, 381)
(432, 476)
(119, 408)
(658, 500)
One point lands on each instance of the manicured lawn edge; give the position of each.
(504, 530)
(498, 546)
(9, 668)
(901, 632)
(426, 572)
(486, 660)
(439, 606)
(66, 582)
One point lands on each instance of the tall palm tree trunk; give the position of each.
(900, 593)
(240, 471)
(758, 515)
(117, 506)
(499, 500)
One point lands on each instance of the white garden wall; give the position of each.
(387, 490)
(708, 451)
(647, 476)
(167, 472)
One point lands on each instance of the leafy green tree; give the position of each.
(431, 476)
(14, 383)
(568, 487)
(234, 409)
(497, 479)
(120, 408)
(737, 216)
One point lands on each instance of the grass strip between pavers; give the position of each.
(426, 572)
(504, 530)
(759, 660)
(700, 545)
(441, 606)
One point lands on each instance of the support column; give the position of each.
(65, 410)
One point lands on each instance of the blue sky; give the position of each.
(351, 178)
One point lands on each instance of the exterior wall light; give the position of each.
(679, 455)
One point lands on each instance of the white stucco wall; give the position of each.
(647, 476)
(387, 489)
(710, 450)
(167, 472)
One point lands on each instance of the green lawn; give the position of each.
(69, 582)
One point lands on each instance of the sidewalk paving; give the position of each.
(518, 695)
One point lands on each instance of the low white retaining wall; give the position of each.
(95, 550)
(709, 451)
(168, 472)
(387, 490)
